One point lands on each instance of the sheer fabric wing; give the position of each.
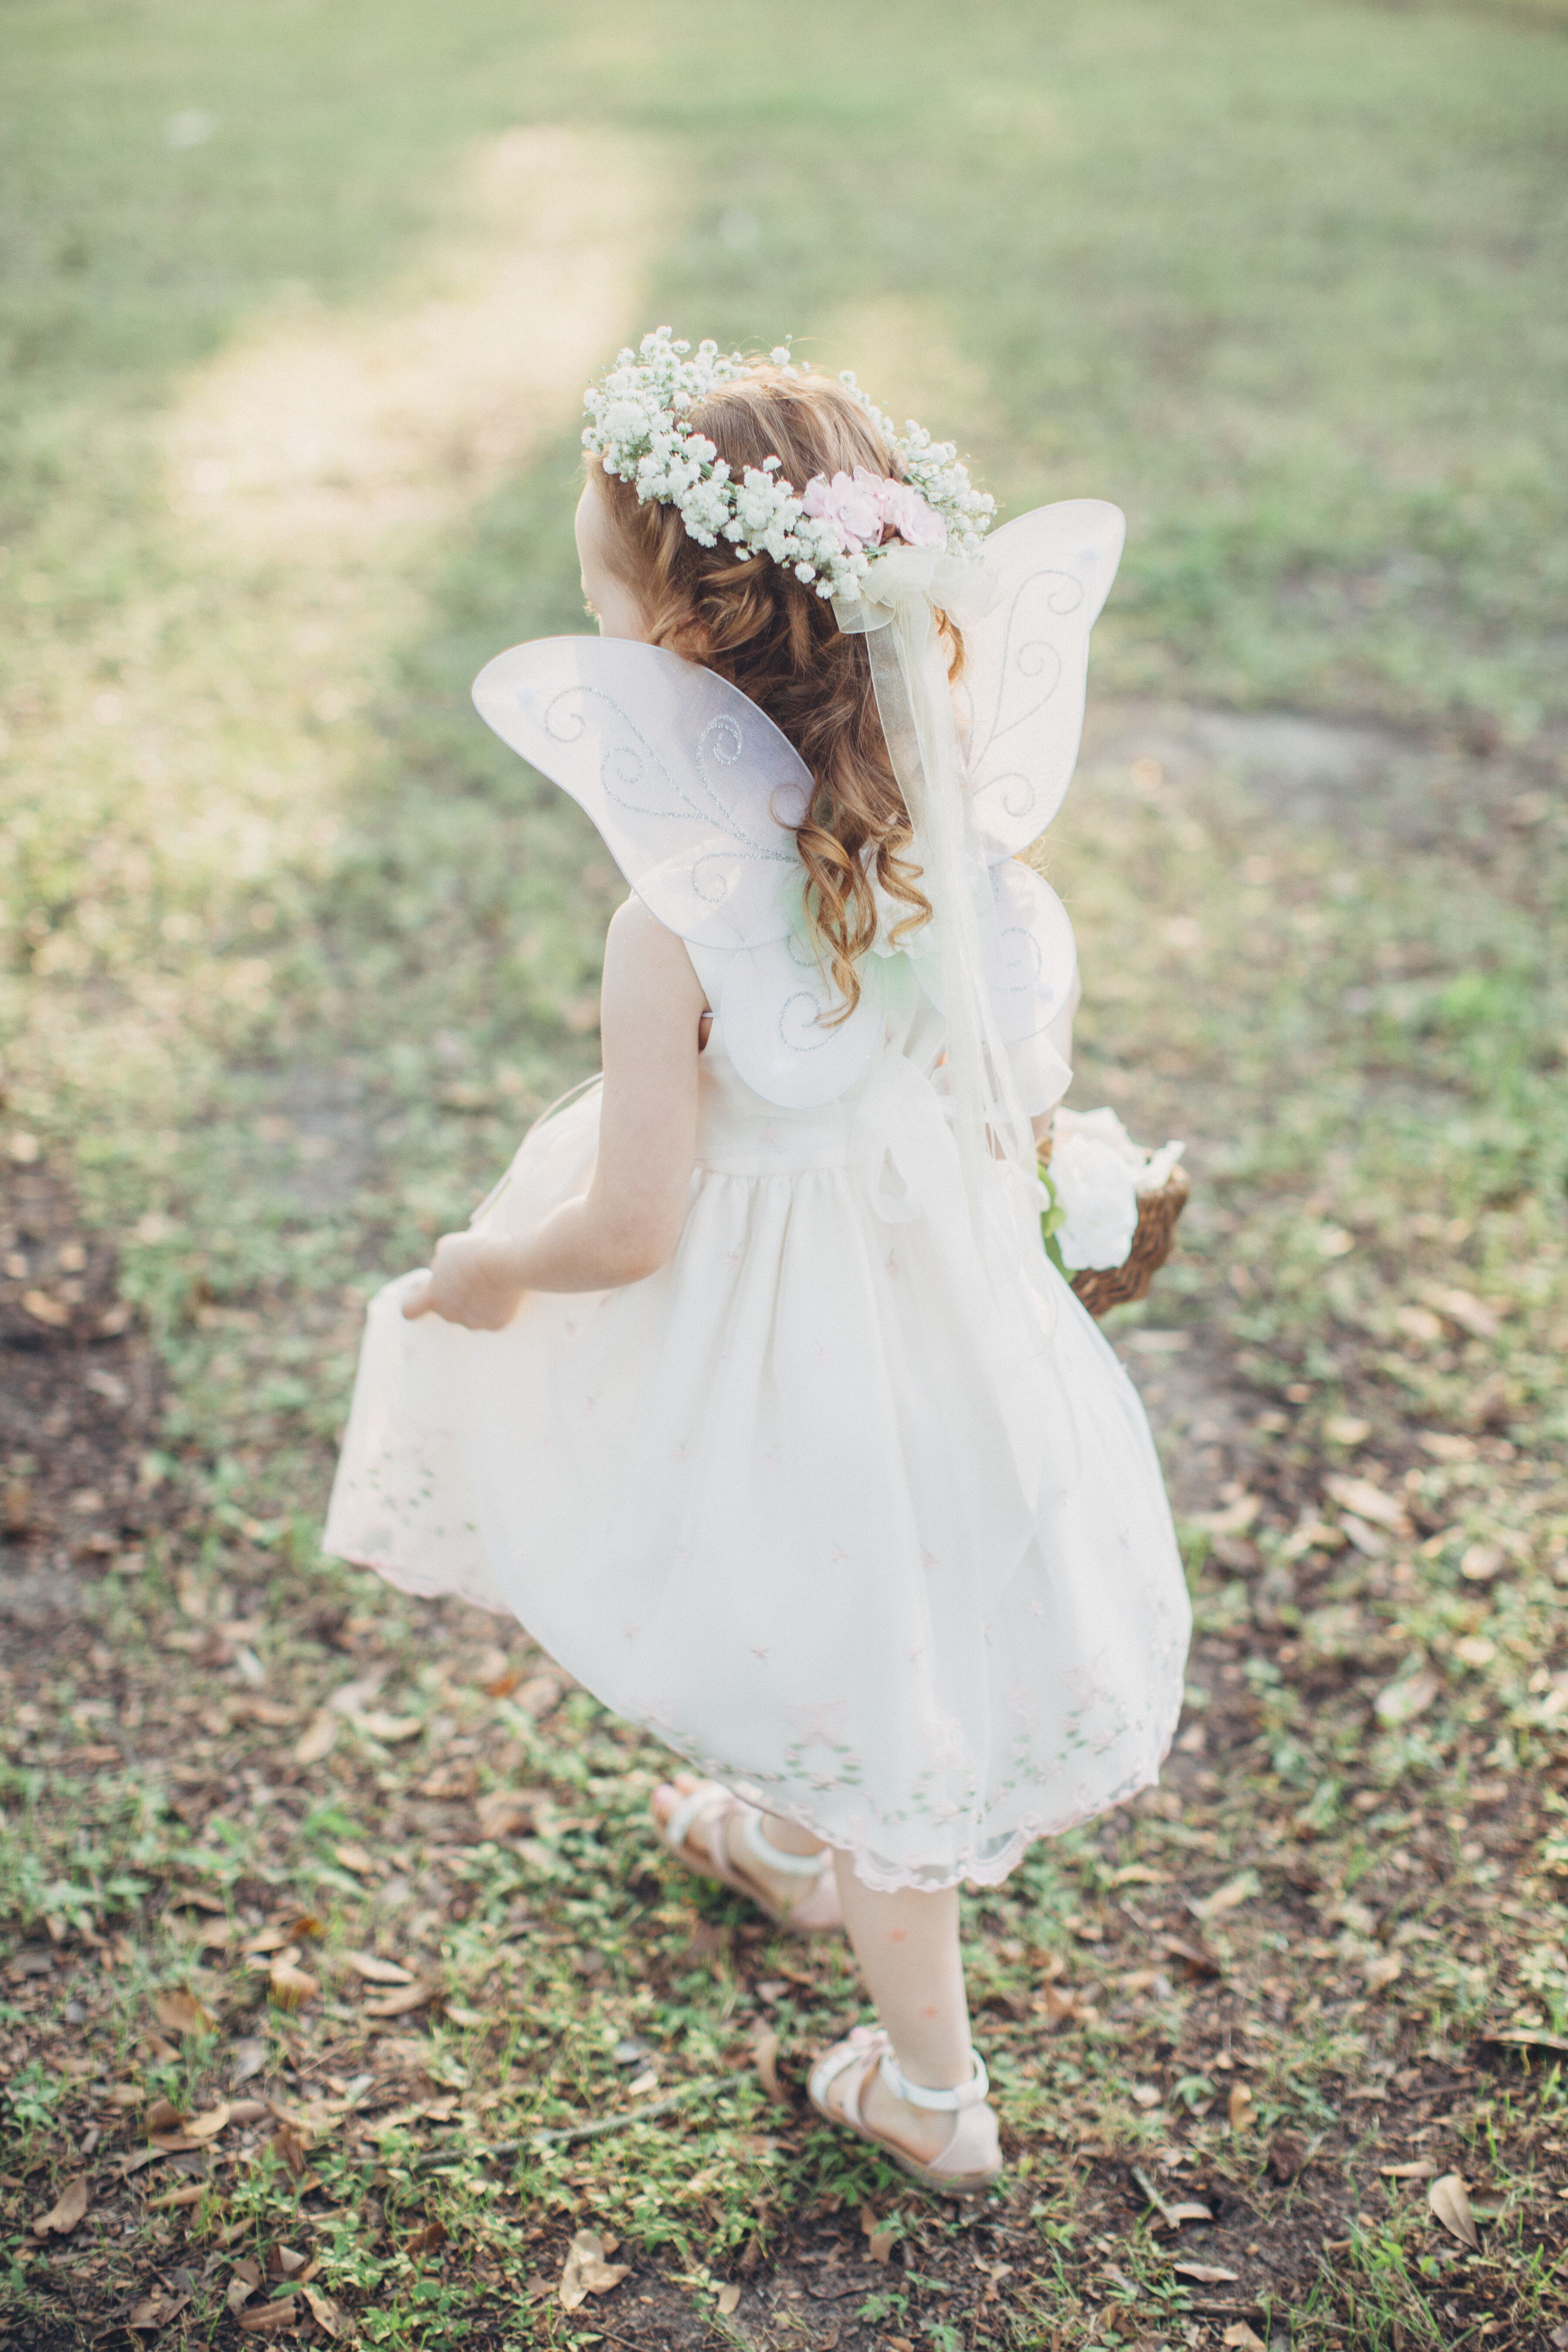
(1025, 665)
(694, 790)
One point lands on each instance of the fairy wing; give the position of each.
(696, 795)
(1021, 698)
(694, 790)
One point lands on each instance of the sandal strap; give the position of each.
(972, 2094)
(694, 1807)
(860, 2052)
(773, 1857)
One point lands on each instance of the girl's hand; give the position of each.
(471, 1281)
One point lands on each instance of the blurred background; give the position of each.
(298, 306)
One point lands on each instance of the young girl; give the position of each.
(750, 1391)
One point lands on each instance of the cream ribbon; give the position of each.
(896, 612)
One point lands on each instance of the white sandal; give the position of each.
(969, 2163)
(708, 1808)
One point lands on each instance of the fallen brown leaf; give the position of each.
(402, 2003)
(1526, 2037)
(460, 2014)
(376, 1970)
(179, 2011)
(1286, 2157)
(291, 1987)
(390, 1729)
(319, 1738)
(1230, 1896)
(1205, 2274)
(502, 1812)
(65, 2213)
(1241, 2337)
(326, 2315)
(586, 2271)
(426, 2238)
(288, 2148)
(1404, 1699)
(272, 2318)
(538, 1695)
(1239, 2107)
(1368, 1502)
(243, 2284)
(1448, 2200)
(765, 2059)
(1382, 1969)
(284, 2263)
(729, 2296)
(1194, 1959)
(1423, 2170)
(1062, 2008)
(163, 2116)
(354, 1858)
(208, 2125)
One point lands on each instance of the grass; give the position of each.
(290, 953)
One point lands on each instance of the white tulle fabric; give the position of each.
(875, 1538)
(769, 1502)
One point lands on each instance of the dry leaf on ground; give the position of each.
(1241, 2338)
(65, 2213)
(1205, 2274)
(318, 1737)
(502, 1812)
(1410, 1696)
(354, 1858)
(326, 2315)
(1449, 2202)
(401, 2003)
(376, 1970)
(271, 2318)
(1228, 1898)
(179, 2011)
(208, 2126)
(290, 1987)
(586, 2271)
(729, 2296)
(243, 2284)
(765, 2058)
(1240, 2108)
(388, 1729)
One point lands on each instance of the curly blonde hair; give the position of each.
(766, 631)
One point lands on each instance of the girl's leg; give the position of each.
(907, 1945)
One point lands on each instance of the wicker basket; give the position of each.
(1103, 1288)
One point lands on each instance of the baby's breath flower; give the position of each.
(636, 430)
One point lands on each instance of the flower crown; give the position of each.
(829, 533)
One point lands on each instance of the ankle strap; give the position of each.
(773, 1857)
(972, 2094)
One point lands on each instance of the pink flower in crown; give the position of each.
(853, 507)
(905, 511)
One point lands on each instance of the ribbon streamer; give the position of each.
(896, 612)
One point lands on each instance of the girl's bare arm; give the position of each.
(627, 1223)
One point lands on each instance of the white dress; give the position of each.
(879, 1549)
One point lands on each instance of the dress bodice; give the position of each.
(740, 1133)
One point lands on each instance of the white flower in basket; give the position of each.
(1095, 1177)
